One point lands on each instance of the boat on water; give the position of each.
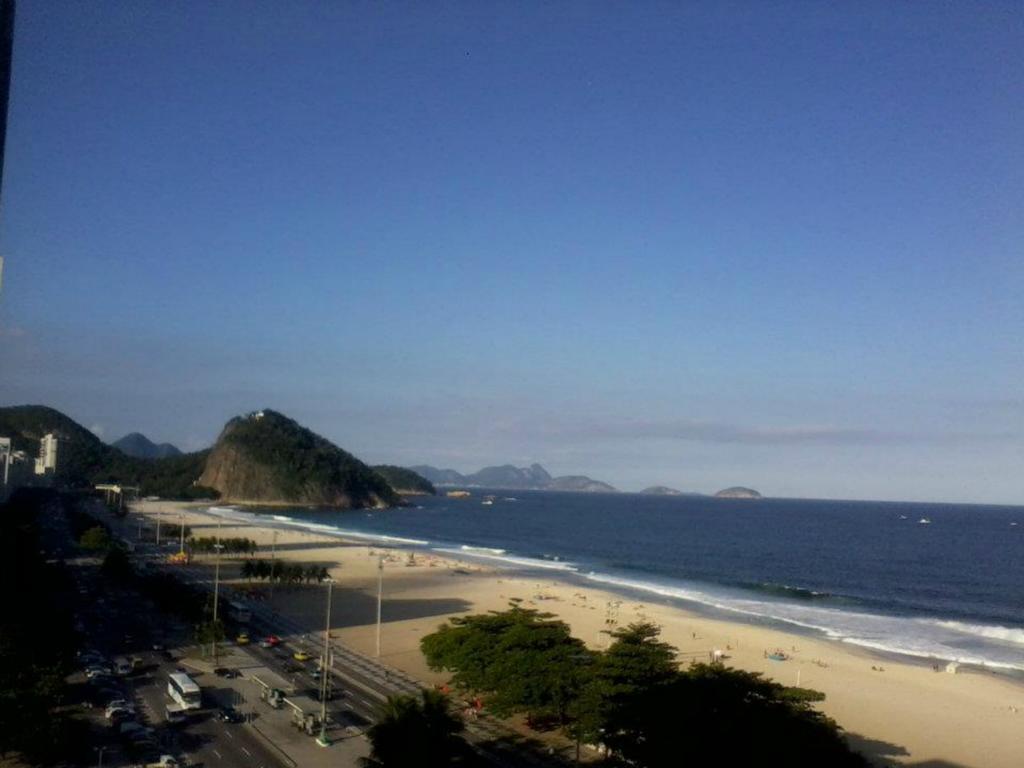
(487, 502)
(925, 521)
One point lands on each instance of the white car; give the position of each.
(122, 712)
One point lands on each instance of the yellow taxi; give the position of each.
(301, 656)
(243, 638)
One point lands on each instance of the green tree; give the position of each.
(415, 732)
(711, 714)
(95, 538)
(210, 632)
(520, 659)
(611, 708)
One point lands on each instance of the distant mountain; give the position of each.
(267, 458)
(84, 460)
(664, 490)
(579, 483)
(439, 476)
(738, 492)
(404, 481)
(141, 447)
(661, 490)
(510, 477)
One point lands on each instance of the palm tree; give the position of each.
(415, 731)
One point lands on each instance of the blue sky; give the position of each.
(707, 244)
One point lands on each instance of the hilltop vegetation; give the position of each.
(84, 459)
(267, 458)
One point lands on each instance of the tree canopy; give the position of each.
(415, 732)
(523, 660)
(633, 698)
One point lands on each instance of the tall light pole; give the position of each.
(325, 668)
(101, 750)
(216, 590)
(380, 595)
(273, 559)
(158, 530)
(181, 525)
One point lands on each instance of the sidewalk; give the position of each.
(274, 726)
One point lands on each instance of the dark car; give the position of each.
(225, 672)
(229, 715)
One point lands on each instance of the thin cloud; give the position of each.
(721, 433)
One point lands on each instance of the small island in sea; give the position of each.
(738, 492)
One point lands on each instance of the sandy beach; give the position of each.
(894, 711)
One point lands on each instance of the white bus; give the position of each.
(239, 612)
(184, 690)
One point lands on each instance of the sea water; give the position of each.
(866, 573)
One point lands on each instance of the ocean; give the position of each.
(867, 573)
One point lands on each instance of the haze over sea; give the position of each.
(868, 573)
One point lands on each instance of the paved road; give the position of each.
(360, 682)
(120, 622)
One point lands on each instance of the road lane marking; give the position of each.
(228, 733)
(218, 754)
(247, 752)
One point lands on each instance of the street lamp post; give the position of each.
(101, 750)
(158, 530)
(325, 671)
(380, 594)
(216, 591)
(273, 559)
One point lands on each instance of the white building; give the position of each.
(16, 469)
(5, 459)
(47, 461)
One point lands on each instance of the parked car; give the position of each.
(119, 711)
(229, 715)
(135, 731)
(227, 673)
(119, 716)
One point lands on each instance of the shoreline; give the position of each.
(894, 708)
(692, 598)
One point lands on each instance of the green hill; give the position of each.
(84, 460)
(267, 458)
(405, 481)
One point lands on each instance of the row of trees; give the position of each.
(633, 698)
(288, 573)
(234, 545)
